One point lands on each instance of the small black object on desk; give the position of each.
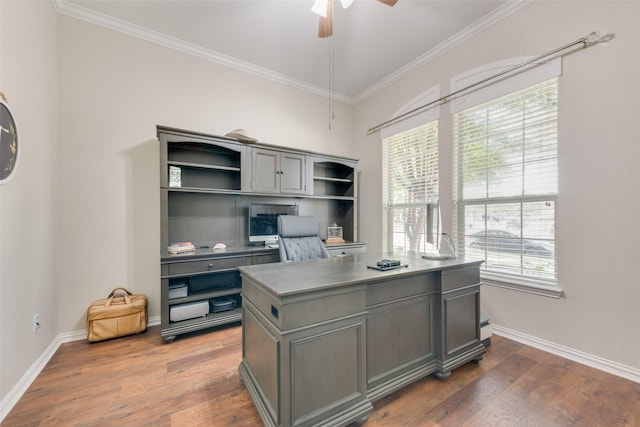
(387, 264)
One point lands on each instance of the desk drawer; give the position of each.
(459, 278)
(346, 250)
(395, 289)
(211, 264)
(266, 258)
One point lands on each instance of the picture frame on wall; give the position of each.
(9, 141)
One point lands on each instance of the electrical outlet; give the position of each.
(36, 322)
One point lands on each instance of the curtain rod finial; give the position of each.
(596, 37)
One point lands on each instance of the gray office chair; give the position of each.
(299, 238)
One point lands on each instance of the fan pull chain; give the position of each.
(331, 74)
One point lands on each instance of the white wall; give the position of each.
(28, 77)
(114, 90)
(598, 230)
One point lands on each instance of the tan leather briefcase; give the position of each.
(121, 313)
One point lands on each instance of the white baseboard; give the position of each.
(596, 362)
(14, 395)
(23, 384)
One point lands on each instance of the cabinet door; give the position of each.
(461, 321)
(292, 173)
(278, 172)
(265, 176)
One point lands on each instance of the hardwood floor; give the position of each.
(140, 381)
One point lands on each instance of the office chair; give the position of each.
(299, 238)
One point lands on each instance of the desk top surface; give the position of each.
(292, 278)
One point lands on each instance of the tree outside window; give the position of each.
(410, 189)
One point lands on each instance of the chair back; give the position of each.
(299, 240)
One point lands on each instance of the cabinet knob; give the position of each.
(210, 265)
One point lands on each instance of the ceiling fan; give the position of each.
(324, 8)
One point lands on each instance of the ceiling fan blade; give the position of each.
(389, 2)
(325, 29)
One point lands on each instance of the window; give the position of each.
(410, 189)
(506, 182)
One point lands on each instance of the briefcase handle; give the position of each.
(116, 293)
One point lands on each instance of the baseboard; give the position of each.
(614, 368)
(14, 395)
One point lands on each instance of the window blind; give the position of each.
(506, 182)
(410, 188)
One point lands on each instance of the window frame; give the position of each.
(525, 283)
(431, 226)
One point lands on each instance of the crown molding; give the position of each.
(69, 9)
(485, 22)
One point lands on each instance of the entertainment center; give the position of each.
(208, 184)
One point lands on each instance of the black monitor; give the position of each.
(263, 221)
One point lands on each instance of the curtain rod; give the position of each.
(587, 41)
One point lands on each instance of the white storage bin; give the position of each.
(189, 311)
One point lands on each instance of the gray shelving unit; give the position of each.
(207, 184)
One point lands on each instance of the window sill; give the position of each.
(521, 285)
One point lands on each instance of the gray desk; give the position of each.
(323, 339)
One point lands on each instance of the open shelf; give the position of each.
(207, 178)
(203, 295)
(204, 166)
(333, 179)
(169, 332)
(324, 178)
(203, 154)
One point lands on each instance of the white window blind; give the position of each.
(410, 188)
(506, 182)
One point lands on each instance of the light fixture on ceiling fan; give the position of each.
(324, 8)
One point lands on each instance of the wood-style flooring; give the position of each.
(141, 381)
